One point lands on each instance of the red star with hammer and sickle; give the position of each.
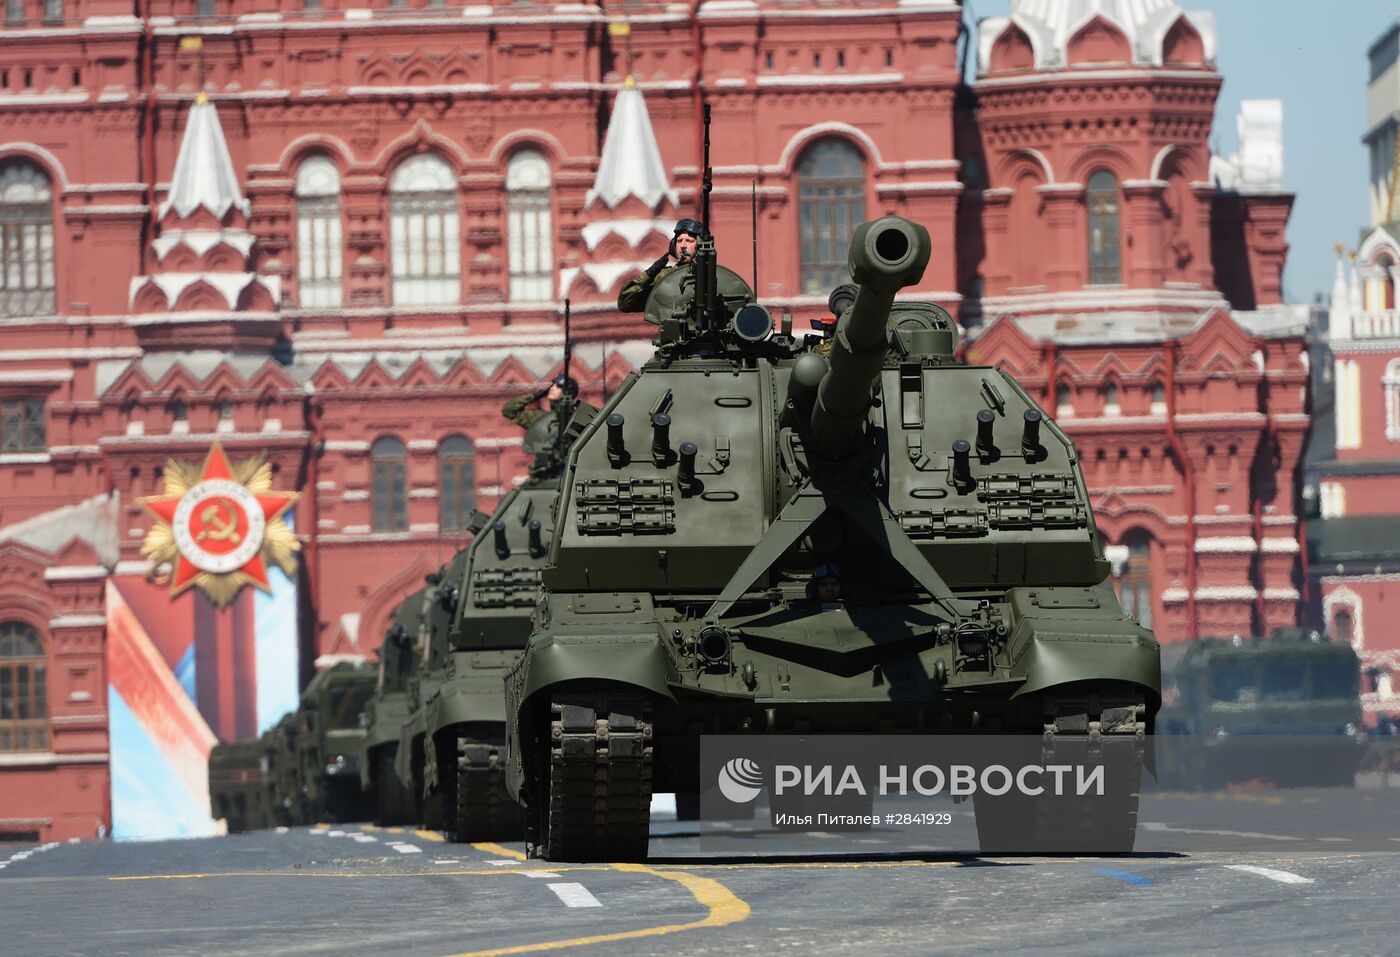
(216, 466)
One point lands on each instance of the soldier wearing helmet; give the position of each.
(633, 297)
(517, 410)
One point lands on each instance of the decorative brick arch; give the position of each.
(1344, 598)
(1182, 45)
(375, 612)
(1100, 40)
(1011, 164)
(1013, 51)
(1102, 156)
(421, 139)
(315, 144)
(48, 162)
(1175, 156)
(540, 140)
(858, 138)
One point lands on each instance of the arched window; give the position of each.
(531, 238)
(831, 201)
(1104, 254)
(1343, 628)
(423, 233)
(318, 233)
(390, 485)
(1134, 579)
(1380, 284)
(24, 701)
(1159, 399)
(457, 483)
(1110, 399)
(26, 240)
(1064, 401)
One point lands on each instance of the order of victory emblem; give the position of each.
(220, 525)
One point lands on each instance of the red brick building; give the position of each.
(358, 245)
(1353, 536)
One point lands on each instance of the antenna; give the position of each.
(568, 342)
(705, 270)
(753, 212)
(707, 184)
(564, 408)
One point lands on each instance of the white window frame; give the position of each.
(531, 235)
(425, 249)
(26, 240)
(319, 243)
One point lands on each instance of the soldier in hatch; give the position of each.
(633, 297)
(517, 410)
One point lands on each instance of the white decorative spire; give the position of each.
(1339, 310)
(1354, 301)
(631, 162)
(204, 174)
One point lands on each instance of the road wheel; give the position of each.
(597, 799)
(393, 804)
(1085, 725)
(485, 811)
(440, 806)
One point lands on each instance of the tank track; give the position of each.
(440, 806)
(597, 805)
(1083, 724)
(485, 811)
(392, 801)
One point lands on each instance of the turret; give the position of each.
(886, 255)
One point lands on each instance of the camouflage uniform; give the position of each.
(515, 410)
(634, 295)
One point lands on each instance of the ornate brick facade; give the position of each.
(342, 280)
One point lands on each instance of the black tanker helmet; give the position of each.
(691, 227)
(567, 383)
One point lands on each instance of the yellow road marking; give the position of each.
(430, 836)
(393, 830)
(489, 848)
(370, 827)
(323, 827)
(722, 905)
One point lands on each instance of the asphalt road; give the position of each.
(361, 890)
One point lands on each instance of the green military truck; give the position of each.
(393, 802)
(238, 793)
(1283, 710)
(328, 742)
(414, 762)
(282, 783)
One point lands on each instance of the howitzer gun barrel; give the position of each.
(885, 256)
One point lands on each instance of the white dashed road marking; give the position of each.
(1283, 877)
(365, 838)
(283, 830)
(335, 834)
(407, 848)
(575, 895)
(441, 861)
(504, 863)
(1256, 835)
(539, 874)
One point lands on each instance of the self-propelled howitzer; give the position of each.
(707, 510)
